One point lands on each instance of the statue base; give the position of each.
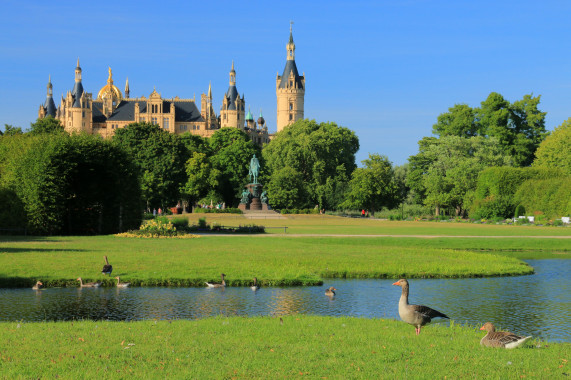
(255, 204)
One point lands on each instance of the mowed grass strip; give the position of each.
(327, 224)
(265, 348)
(58, 261)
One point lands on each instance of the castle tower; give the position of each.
(290, 89)
(206, 109)
(49, 107)
(232, 110)
(250, 123)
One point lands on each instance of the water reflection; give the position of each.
(538, 305)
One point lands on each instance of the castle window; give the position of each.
(290, 116)
(166, 123)
(154, 121)
(291, 106)
(238, 116)
(198, 127)
(291, 83)
(142, 119)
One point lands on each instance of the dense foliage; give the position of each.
(160, 158)
(496, 187)
(549, 197)
(519, 127)
(71, 184)
(373, 186)
(45, 125)
(308, 164)
(555, 150)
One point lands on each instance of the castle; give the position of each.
(112, 109)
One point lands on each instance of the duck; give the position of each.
(122, 285)
(38, 285)
(255, 286)
(107, 268)
(502, 339)
(416, 315)
(88, 284)
(217, 284)
(330, 292)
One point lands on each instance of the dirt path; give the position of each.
(397, 236)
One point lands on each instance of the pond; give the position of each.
(538, 305)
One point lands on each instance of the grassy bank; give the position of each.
(326, 224)
(262, 347)
(58, 261)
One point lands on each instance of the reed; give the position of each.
(266, 347)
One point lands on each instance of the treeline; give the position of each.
(481, 163)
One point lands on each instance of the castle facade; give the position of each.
(112, 109)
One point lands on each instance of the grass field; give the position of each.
(58, 261)
(326, 224)
(263, 348)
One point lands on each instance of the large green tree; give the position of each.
(446, 170)
(232, 152)
(373, 186)
(76, 184)
(160, 157)
(321, 156)
(202, 178)
(46, 125)
(519, 127)
(555, 150)
(10, 130)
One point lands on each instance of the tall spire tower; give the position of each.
(290, 89)
(232, 110)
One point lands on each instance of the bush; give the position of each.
(300, 211)
(491, 207)
(157, 228)
(550, 197)
(519, 211)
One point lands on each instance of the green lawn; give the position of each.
(58, 261)
(263, 348)
(326, 224)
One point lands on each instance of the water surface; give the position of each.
(538, 305)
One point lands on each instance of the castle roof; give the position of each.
(290, 67)
(76, 93)
(50, 107)
(185, 111)
(232, 95)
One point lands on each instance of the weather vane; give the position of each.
(290, 24)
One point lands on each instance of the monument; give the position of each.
(253, 197)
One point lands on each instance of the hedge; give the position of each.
(552, 197)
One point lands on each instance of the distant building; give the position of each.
(112, 109)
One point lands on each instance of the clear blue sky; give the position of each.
(384, 69)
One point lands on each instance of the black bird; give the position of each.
(107, 268)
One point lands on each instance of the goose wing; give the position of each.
(428, 312)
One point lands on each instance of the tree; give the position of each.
(518, 127)
(450, 168)
(160, 158)
(232, 152)
(555, 150)
(321, 154)
(76, 184)
(46, 125)
(202, 178)
(458, 121)
(10, 130)
(373, 186)
(286, 189)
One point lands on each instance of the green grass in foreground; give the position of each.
(263, 348)
(58, 261)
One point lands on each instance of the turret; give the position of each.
(290, 89)
(127, 88)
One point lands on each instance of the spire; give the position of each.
(290, 47)
(210, 90)
(127, 88)
(110, 79)
(49, 105)
(249, 116)
(77, 87)
(232, 75)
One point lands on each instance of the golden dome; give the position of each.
(110, 90)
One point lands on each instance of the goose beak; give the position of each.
(396, 283)
(482, 328)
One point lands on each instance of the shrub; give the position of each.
(228, 210)
(157, 228)
(519, 211)
(551, 197)
(202, 223)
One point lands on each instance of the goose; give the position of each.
(502, 339)
(330, 292)
(255, 286)
(122, 285)
(88, 284)
(217, 284)
(107, 268)
(416, 315)
(38, 285)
